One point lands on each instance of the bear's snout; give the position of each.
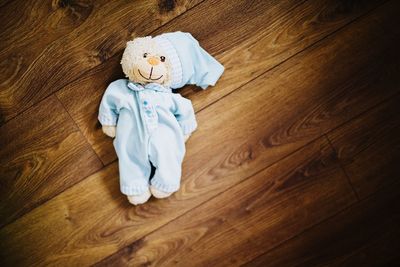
(153, 61)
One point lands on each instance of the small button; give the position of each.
(145, 102)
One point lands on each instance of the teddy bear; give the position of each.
(148, 121)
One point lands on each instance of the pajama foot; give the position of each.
(159, 194)
(139, 199)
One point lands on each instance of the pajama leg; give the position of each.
(167, 149)
(130, 145)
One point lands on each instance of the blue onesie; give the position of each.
(152, 122)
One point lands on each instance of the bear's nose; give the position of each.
(153, 61)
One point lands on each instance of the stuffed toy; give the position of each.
(151, 123)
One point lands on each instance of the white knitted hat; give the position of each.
(190, 63)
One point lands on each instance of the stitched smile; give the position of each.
(151, 71)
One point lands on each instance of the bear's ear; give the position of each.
(134, 51)
(129, 43)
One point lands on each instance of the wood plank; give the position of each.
(374, 138)
(42, 23)
(82, 99)
(367, 234)
(84, 109)
(250, 218)
(259, 47)
(272, 36)
(62, 229)
(42, 153)
(26, 34)
(277, 114)
(102, 35)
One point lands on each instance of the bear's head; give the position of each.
(170, 59)
(144, 61)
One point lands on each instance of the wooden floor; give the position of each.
(296, 161)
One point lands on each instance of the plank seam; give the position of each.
(388, 98)
(343, 168)
(79, 129)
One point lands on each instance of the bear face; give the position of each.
(143, 61)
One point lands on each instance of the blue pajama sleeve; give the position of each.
(184, 114)
(111, 104)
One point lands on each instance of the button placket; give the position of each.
(150, 115)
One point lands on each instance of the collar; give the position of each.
(150, 86)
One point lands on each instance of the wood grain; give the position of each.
(238, 136)
(367, 234)
(248, 51)
(82, 99)
(26, 36)
(369, 148)
(42, 23)
(93, 84)
(60, 229)
(42, 153)
(250, 218)
(254, 42)
(101, 36)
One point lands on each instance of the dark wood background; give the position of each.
(295, 161)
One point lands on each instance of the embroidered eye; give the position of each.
(162, 59)
(145, 55)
